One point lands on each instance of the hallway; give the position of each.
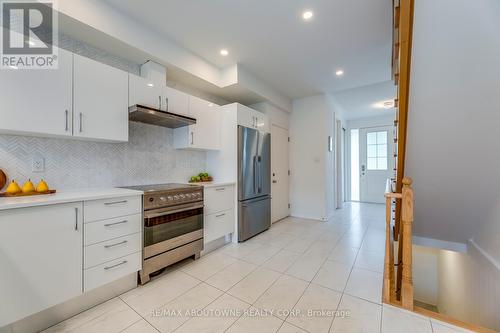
(299, 276)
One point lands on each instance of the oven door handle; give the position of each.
(158, 213)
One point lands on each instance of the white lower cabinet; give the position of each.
(218, 225)
(48, 255)
(112, 270)
(40, 258)
(219, 212)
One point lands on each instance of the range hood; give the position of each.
(147, 115)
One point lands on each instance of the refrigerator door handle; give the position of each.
(259, 160)
(254, 174)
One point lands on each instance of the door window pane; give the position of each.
(372, 150)
(376, 150)
(371, 138)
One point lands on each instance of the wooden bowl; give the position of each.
(3, 179)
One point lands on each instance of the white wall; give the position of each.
(469, 288)
(276, 116)
(312, 181)
(454, 114)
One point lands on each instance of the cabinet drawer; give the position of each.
(218, 225)
(103, 230)
(109, 250)
(218, 199)
(108, 208)
(111, 271)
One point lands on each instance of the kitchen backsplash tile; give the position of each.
(148, 158)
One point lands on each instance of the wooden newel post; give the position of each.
(407, 222)
(389, 286)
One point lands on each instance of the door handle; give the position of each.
(116, 244)
(166, 103)
(115, 202)
(81, 122)
(254, 174)
(67, 120)
(115, 223)
(116, 265)
(192, 138)
(76, 218)
(159, 102)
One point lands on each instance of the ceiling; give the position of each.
(270, 39)
(359, 102)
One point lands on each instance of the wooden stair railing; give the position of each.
(398, 286)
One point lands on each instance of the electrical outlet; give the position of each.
(38, 164)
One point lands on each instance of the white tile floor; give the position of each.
(291, 278)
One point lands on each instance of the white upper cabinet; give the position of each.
(100, 101)
(205, 134)
(37, 102)
(252, 118)
(175, 101)
(144, 92)
(41, 258)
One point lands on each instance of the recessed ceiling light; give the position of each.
(307, 15)
(389, 104)
(224, 52)
(339, 72)
(150, 85)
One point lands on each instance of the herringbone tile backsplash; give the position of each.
(148, 158)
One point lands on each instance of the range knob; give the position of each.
(163, 199)
(188, 195)
(183, 196)
(170, 198)
(151, 199)
(176, 197)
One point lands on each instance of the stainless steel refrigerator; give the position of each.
(254, 182)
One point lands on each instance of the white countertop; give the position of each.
(212, 184)
(64, 196)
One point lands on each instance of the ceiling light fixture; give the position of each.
(339, 72)
(224, 52)
(389, 104)
(307, 15)
(150, 85)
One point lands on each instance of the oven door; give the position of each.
(168, 228)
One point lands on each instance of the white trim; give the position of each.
(441, 244)
(485, 254)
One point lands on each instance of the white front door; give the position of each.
(279, 169)
(376, 162)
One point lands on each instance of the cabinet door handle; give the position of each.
(116, 244)
(113, 266)
(166, 103)
(159, 102)
(192, 138)
(67, 120)
(76, 218)
(116, 223)
(221, 215)
(115, 202)
(220, 189)
(81, 122)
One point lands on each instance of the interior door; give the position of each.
(280, 178)
(376, 162)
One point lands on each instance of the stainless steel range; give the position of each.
(173, 225)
